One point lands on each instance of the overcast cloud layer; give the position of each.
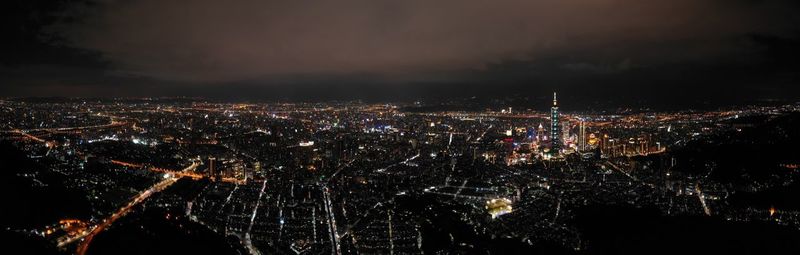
(211, 40)
(380, 48)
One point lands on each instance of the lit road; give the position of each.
(247, 240)
(26, 135)
(335, 247)
(615, 167)
(25, 132)
(141, 197)
(391, 237)
(558, 210)
(188, 172)
(404, 162)
(702, 199)
(84, 245)
(111, 124)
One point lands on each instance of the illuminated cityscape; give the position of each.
(350, 178)
(587, 127)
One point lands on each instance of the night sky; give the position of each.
(661, 52)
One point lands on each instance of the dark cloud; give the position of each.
(622, 45)
(208, 40)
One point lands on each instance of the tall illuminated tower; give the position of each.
(555, 127)
(582, 136)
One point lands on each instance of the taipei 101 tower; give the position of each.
(555, 128)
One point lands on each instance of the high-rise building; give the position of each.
(212, 172)
(582, 136)
(540, 133)
(604, 145)
(555, 127)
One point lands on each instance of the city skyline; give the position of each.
(250, 127)
(309, 178)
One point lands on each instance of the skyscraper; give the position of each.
(582, 136)
(212, 172)
(555, 127)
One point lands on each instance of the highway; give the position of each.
(26, 132)
(26, 135)
(702, 199)
(111, 124)
(181, 173)
(86, 238)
